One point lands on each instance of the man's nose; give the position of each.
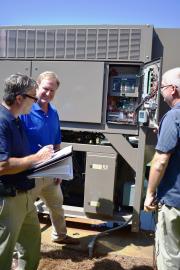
(48, 92)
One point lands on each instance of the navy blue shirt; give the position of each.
(42, 128)
(13, 143)
(169, 142)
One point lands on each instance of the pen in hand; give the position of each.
(40, 146)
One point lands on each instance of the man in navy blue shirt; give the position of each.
(18, 218)
(163, 190)
(42, 125)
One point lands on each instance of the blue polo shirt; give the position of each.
(13, 143)
(169, 142)
(42, 128)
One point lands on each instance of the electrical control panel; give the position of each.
(133, 94)
(124, 85)
(151, 93)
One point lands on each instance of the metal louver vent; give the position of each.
(50, 42)
(40, 43)
(70, 43)
(102, 43)
(60, 43)
(30, 48)
(124, 44)
(3, 43)
(91, 43)
(21, 43)
(135, 44)
(81, 43)
(113, 44)
(11, 43)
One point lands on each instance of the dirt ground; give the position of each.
(120, 251)
(71, 259)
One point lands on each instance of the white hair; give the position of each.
(172, 76)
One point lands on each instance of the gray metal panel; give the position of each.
(99, 183)
(140, 173)
(166, 43)
(9, 67)
(146, 43)
(105, 149)
(96, 42)
(79, 98)
(124, 148)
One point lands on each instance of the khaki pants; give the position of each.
(19, 224)
(168, 238)
(52, 196)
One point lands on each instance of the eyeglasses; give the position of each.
(32, 97)
(165, 86)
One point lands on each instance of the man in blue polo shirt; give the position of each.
(43, 127)
(18, 218)
(164, 179)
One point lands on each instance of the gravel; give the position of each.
(67, 259)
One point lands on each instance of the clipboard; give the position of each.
(60, 165)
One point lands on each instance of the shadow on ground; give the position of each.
(67, 259)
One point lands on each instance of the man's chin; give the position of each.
(44, 101)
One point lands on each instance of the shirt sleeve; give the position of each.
(4, 141)
(169, 133)
(58, 133)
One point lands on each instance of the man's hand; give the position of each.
(57, 181)
(155, 128)
(44, 153)
(150, 203)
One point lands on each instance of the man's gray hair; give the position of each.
(172, 76)
(17, 84)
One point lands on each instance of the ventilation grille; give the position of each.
(68, 44)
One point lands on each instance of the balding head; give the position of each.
(172, 76)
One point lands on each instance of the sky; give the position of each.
(160, 13)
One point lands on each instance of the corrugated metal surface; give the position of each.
(76, 43)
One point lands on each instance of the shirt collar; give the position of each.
(36, 107)
(176, 106)
(8, 114)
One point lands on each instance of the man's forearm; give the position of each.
(16, 165)
(159, 164)
(158, 167)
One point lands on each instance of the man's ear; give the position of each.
(19, 99)
(174, 90)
